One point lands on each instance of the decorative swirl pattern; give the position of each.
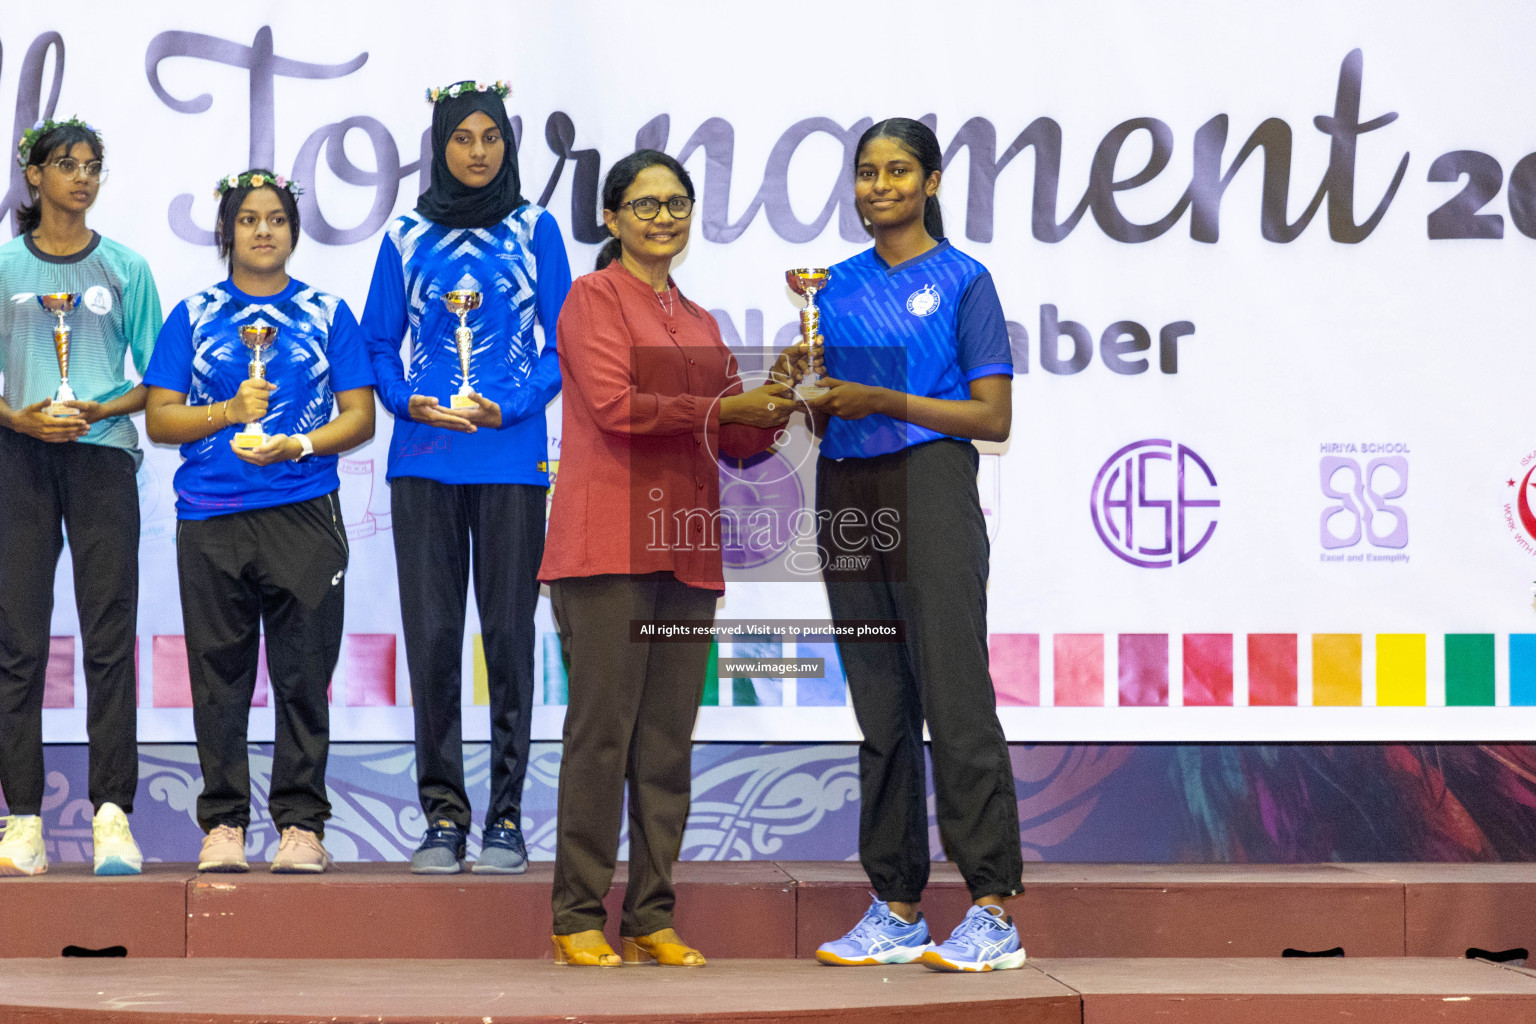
(1079, 802)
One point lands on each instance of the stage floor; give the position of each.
(1046, 991)
(764, 910)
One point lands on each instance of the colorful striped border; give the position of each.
(1142, 670)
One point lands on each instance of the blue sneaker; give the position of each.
(501, 850)
(441, 851)
(985, 941)
(880, 937)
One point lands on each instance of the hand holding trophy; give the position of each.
(61, 304)
(258, 338)
(462, 303)
(808, 281)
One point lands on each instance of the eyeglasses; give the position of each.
(70, 167)
(648, 207)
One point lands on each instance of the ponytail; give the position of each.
(933, 218)
(608, 253)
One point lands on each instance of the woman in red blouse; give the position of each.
(651, 401)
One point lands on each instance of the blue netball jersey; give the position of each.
(928, 326)
(520, 269)
(318, 351)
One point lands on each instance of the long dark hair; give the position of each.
(918, 139)
(622, 175)
(67, 135)
(229, 209)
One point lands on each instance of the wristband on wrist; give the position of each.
(307, 445)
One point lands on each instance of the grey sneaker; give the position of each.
(502, 851)
(441, 851)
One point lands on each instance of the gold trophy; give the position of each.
(462, 302)
(808, 281)
(258, 338)
(61, 304)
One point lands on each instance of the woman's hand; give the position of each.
(89, 411)
(792, 365)
(769, 405)
(424, 409)
(485, 414)
(850, 401)
(34, 421)
(250, 403)
(796, 361)
(276, 448)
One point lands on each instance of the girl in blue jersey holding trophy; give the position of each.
(465, 276)
(918, 363)
(244, 377)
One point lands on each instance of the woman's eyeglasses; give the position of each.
(94, 171)
(648, 207)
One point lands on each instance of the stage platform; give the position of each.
(771, 911)
(1046, 991)
(1109, 944)
(767, 910)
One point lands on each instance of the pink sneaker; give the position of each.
(224, 850)
(299, 852)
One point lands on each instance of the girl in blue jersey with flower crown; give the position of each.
(260, 545)
(474, 476)
(918, 364)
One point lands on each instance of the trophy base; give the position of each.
(811, 391)
(462, 402)
(58, 408)
(248, 440)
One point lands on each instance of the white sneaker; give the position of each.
(116, 852)
(299, 851)
(21, 848)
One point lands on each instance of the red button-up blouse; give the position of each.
(638, 488)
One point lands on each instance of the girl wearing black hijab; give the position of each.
(467, 460)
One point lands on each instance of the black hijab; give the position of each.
(448, 200)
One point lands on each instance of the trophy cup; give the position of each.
(258, 338)
(61, 304)
(808, 281)
(461, 302)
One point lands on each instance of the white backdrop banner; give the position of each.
(1265, 267)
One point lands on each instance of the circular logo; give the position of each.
(759, 497)
(1519, 514)
(98, 300)
(1150, 499)
(923, 301)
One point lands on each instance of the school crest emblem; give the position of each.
(923, 301)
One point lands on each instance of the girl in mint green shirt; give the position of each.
(73, 472)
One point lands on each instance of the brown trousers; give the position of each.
(629, 718)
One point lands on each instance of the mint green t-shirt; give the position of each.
(118, 311)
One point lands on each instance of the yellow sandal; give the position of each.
(590, 954)
(665, 947)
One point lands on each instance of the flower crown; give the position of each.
(43, 127)
(257, 179)
(448, 92)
